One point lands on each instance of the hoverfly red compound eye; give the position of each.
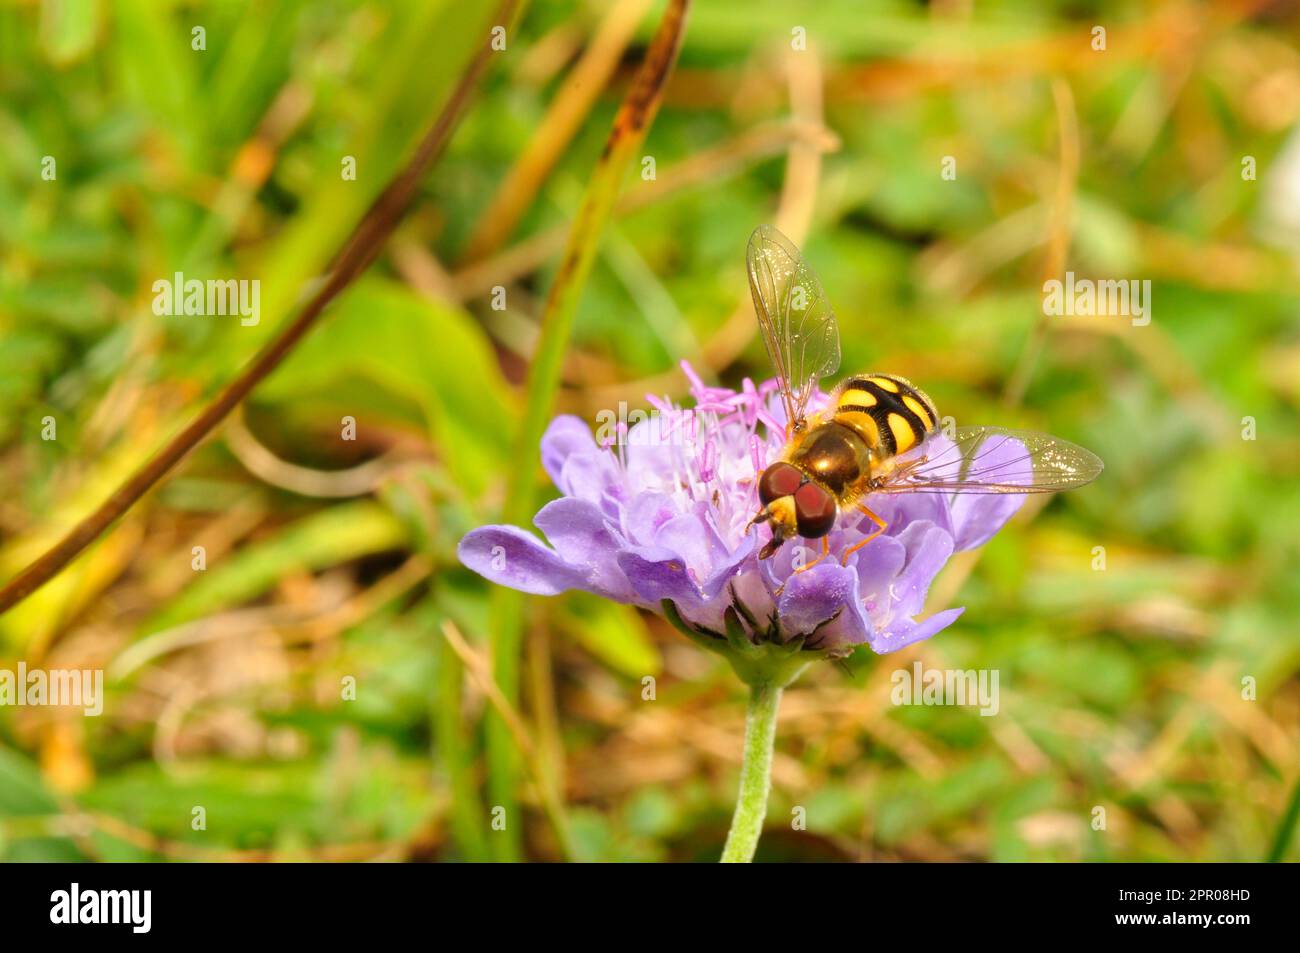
(778, 480)
(814, 511)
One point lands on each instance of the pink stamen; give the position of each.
(707, 460)
(696, 383)
(712, 407)
(773, 425)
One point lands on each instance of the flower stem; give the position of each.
(755, 774)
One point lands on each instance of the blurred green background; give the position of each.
(302, 688)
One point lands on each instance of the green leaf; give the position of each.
(68, 28)
(430, 352)
(327, 538)
(23, 794)
(150, 44)
(614, 633)
(408, 70)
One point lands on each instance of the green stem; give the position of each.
(1286, 829)
(755, 774)
(452, 748)
(506, 608)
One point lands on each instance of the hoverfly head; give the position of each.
(794, 505)
(776, 491)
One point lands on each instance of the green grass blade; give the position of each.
(506, 616)
(1286, 829)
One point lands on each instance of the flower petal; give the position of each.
(904, 632)
(656, 574)
(645, 514)
(512, 557)
(976, 518)
(928, 549)
(816, 596)
(654, 461)
(588, 475)
(877, 564)
(754, 595)
(901, 510)
(581, 535)
(728, 567)
(565, 436)
(695, 542)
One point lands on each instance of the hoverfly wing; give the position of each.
(993, 460)
(795, 317)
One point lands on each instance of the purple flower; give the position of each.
(655, 515)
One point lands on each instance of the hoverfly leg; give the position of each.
(826, 551)
(881, 527)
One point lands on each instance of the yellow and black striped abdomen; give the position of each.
(890, 414)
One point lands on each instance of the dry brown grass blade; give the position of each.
(794, 212)
(480, 670)
(793, 216)
(563, 119)
(258, 460)
(1059, 234)
(361, 249)
(709, 164)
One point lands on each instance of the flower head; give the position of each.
(655, 515)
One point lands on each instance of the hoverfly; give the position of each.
(878, 433)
